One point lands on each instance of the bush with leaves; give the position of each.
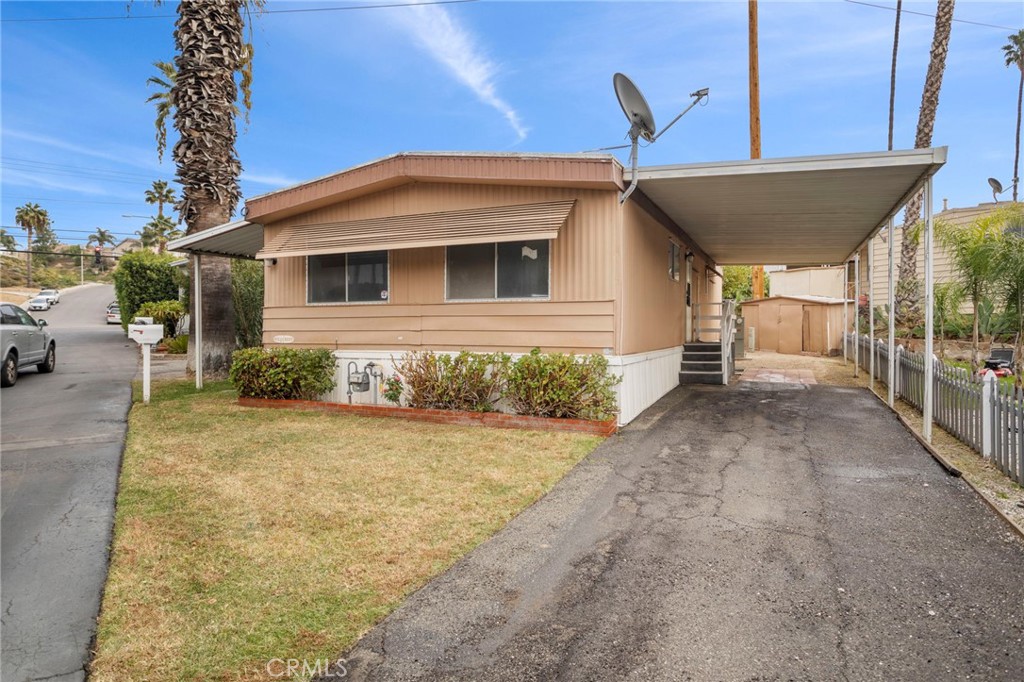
(247, 296)
(467, 381)
(563, 386)
(167, 313)
(143, 277)
(178, 345)
(282, 373)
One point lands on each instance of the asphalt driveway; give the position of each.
(754, 532)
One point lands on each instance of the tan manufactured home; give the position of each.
(507, 252)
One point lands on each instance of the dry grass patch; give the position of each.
(996, 486)
(245, 534)
(17, 295)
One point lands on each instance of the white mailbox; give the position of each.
(146, 334)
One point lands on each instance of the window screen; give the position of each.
(342, 278)
(523, 269)
(470, 271)
(505, 270)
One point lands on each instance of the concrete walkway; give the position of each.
(758, 531)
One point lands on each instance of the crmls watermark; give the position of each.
(321, 668)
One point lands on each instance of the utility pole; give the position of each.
(757, 272)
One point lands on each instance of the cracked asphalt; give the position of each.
(62, 439)
(750, 532)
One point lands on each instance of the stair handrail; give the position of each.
(727, 336)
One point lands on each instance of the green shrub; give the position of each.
(282, 373)
(247, 295)
(467, 381)
(143, 277)
(167, 313)
(564, 386)
(177, 345)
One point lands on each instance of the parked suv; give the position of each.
(52, 295)
(24, 342)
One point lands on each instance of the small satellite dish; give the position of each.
(634, 106)
(641, 120)
(997, 187)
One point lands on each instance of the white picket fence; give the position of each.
(982, 412)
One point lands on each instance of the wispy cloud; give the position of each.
(269, 179)
(455, 48)
(127, 157)
(35, 181)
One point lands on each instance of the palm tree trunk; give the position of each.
(892, 73)
(1016, 152)
(28, 259)
(908, 290)
(209, 38)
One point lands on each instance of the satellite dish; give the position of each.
(641, 120)
(997, 187)
(635, 107)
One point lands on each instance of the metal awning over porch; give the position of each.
(240, 239)
(812, 210)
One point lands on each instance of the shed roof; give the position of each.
(803, 298)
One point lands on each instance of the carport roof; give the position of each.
(811, 210)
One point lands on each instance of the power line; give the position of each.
(73, 201)
(269, 11)
(932, 16)
(66, 166)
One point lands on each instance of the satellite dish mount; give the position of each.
(641, 120)
(997, 187)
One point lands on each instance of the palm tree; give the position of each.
(164, 104)
(212, 51)
(892, 74)
(908, 292)
(161, 193)
(1014, 51)
(158, 232)
(7, 241)
(30, 217)
(974, 253)
(101, 237)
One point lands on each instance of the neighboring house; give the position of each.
(124, 246)
(942, 266)
(796, 324)
(507, 252)
(820, 281)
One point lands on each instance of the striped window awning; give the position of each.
(445, 228)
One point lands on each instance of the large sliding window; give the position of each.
(347, 278)
(495, 271)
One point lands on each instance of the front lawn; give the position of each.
(244, 535)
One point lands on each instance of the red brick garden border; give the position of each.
(493, 419)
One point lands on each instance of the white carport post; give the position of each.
(856, 315)
(846, 308)
(892, 320)
(871, 312)
(929, 322)
(197, 307)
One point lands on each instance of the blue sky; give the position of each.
(337, 88)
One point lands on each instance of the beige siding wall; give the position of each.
(579, 316)
(942, 267)
(652, 304)
(808, 281)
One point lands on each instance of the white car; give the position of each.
(24, 342)
(39, 303)
(53, 295)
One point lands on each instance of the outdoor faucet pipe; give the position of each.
(375, 373)
(348, 377)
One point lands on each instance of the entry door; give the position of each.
(791, 332)
(688, 313)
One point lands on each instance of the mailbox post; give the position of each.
(145, 333)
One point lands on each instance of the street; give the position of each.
(62, 439)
